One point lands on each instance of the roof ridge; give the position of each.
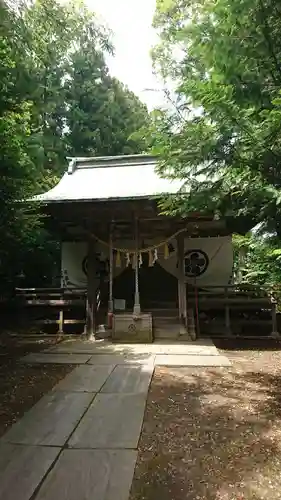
(110, 161)
(137, 155)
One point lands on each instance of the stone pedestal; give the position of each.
(132, 328)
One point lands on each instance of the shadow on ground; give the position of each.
(22, 385)
(237, 344)
(210, 434)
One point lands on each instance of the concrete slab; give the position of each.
(129, 379)
(51, 420)
(201, 346)
(187, 348)
(185, 360)
(112, 421)
(44, 357)
(90, 474)
(85, 378)
(22, 468)
(85, 346)
(116, 359)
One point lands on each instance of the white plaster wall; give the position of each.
(218, 272)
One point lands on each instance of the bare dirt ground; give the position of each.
(214, 433)
(22, 385)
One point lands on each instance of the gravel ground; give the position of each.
(22, 385)
(214, 433)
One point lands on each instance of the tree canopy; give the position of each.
(57, 98)
(222, 137)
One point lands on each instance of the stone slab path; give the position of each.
(119, 359)
(79, 442)
(78, 346)
(85, 378)
(51, 420)
(42, 357)
(201, 352)
(112, 421)
(90, 475)
(190, 360)
(22, 468)
(129, 379)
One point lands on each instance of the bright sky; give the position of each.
(133, 37)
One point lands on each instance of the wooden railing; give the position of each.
(235, 298)
(54, 300)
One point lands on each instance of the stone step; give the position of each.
(176, 335)
(163, 322)
(164, 312)
(167, 323)
(173, 330)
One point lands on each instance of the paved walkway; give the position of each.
(80, 441)
(198, 353)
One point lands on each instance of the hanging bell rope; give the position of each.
(128, 259)
(155, 257)
(134, 262)
(118, 259)
(150, 258)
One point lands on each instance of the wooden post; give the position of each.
(274, 332)
(227, 313)
(110, 299)
(274, 320)
(91, 290)
(137, 309)
(179, 297)
(181, 278)
(60, 328)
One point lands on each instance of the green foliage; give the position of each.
(18, 173)
(222, 138)
(78, 108)
(56, 99)
(257, 259)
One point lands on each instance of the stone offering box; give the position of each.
(128, 327)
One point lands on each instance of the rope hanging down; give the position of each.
(141, 250)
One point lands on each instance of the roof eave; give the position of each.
(89, 200)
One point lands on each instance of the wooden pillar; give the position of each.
(274, 332)
(91, 290)
(227, 313)
(179, 297)
(181, 278)
(137, 309)
(61, 317)
(242, 253)
(110, 298)
(60, 329)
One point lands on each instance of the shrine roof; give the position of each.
(110, 178)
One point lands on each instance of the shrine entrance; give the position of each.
(157, 287)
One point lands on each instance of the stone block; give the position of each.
(130, 328)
